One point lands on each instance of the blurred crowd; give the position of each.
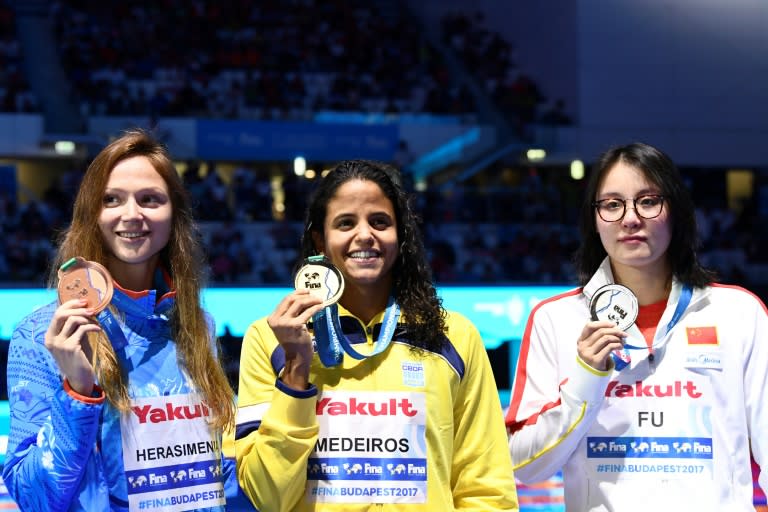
(489, 57)
(520, 230)
(291, 60)
(246, 60)
(15, 93)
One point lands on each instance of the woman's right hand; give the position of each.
(67, 341)
(596, 342)
(289, 323)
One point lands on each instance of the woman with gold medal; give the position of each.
(359, 392)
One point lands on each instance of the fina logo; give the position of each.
(621, 314)
(312, 280)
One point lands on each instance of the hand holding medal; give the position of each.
(88, 281)
(321, 278)
(91, 281)
(617, 304)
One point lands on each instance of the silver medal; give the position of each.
(615, 303)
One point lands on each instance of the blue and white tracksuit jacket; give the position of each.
(69, 452)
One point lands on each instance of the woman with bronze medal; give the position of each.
(117, 397)
(359, 390)
(645, 385)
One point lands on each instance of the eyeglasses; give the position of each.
(613, 209)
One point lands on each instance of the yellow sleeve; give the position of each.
(481, 475)
(277, 427)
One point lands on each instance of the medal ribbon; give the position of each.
(112, 328)
(682, 304)
(122, 302)
(332, 343)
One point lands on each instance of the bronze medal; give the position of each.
(82, 279)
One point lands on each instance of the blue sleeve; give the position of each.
(52, 434)
(237, 501)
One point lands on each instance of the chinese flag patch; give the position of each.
(702, 335)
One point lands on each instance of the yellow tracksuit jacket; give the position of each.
(406, 429)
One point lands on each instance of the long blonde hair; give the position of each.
(182, 257)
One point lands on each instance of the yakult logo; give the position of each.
(639, 389)
(170, 412)
(353, 406)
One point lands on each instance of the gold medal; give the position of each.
(321, 278)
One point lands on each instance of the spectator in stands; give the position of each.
(404, 156)
(434, 411)
(674, 425)
(97, 399)
(229, 254)
(556, 114)
(214, 200)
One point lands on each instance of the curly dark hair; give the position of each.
(659, 169)
(412, 283)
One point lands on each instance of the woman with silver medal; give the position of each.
(117, 396)
(645, 385)
(359, 389)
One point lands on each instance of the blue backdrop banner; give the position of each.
(275, 140)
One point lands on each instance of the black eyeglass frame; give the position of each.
(596, 205)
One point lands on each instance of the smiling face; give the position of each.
(135, 218)
(360, 235)
(633, 241)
